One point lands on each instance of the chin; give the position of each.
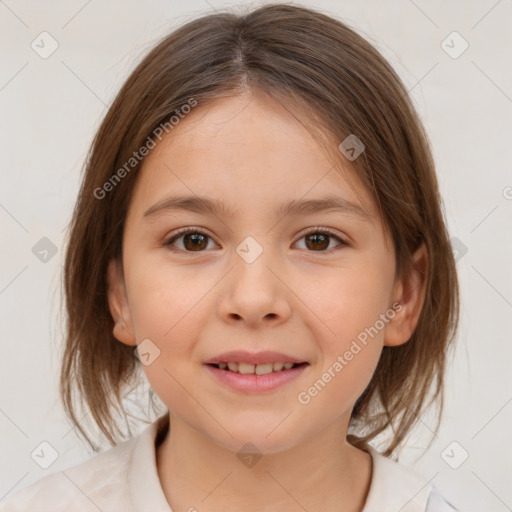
(245, 439)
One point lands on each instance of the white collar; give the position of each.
(395, 487)
(145, 487)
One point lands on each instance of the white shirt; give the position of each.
(125, 479)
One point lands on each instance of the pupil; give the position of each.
(197, 240)
(318, 239)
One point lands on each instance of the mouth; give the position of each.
(255, 372)
(256, 369)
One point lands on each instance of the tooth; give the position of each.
(264, 369)
(287, 366)
(245, 368)
(233, 367)
(278, 367)
(223, 366)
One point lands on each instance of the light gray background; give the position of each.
(50, 109)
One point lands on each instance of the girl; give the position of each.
(259, 231)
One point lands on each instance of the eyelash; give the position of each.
(184, 231)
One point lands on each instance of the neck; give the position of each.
(323, 473)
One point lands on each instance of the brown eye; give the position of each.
(320, 240)
(189, 241)
(195, 241)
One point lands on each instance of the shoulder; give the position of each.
(397, 487)
(100, 483)
(436, 503)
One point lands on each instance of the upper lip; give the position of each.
(242, 356)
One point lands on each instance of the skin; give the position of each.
(250, 153)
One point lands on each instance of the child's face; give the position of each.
(307, 298)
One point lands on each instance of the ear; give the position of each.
(409, 292)
(118, 304)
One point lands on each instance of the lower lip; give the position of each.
(256, 383)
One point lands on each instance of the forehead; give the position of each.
(244, 150)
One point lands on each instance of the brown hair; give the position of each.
(340, 85)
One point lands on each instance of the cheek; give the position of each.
(352, 304)
(350, 307)
(347, 300)
(169, 305)
(333, 394)
(163, 298)
(166, 308)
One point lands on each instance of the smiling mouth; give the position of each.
(256, 369)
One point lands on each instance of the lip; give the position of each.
(252, 383)
(242, 356)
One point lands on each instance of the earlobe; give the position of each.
(118, 304)
(410, 293)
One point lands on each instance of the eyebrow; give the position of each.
(205, 205)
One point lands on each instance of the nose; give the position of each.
(253, 294)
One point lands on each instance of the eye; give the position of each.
(193, 240)
(319, 239)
